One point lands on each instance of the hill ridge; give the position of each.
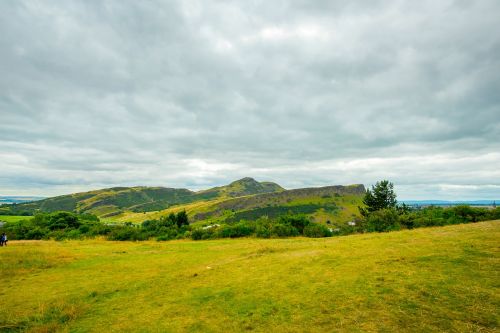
(113, 200)
(245, 198)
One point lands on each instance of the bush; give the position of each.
(162, 238)
(407, 221)
(383, 220)
(36, 233)
(73, 234)
(283, 230)
(299, 222)
(316, 230)
(84, 228)
(241, 229)
(62, 220)
(125, 233)
(494, 214)
(263, 227)
(99, 230)
(199, 233)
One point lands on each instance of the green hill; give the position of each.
(330, 204)
(112, 201)
(117, 200)
(245, 199)
(242, 187)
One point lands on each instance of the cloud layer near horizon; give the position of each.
(196, 94)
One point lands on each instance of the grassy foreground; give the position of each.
(430, 279)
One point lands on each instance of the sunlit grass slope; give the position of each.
(425, 280)
(313, 202)
(14, 218)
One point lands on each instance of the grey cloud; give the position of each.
(196, 93)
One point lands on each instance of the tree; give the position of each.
(381, 196)
(299, 222)
(182, 219)
(62, 220)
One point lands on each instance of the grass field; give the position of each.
(424, 280)
(14, 218)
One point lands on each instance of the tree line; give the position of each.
(382, 212)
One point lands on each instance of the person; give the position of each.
(3, 239)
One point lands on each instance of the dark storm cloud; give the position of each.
(196, 93)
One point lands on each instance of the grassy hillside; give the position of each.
(425, 280)
(334, 204)
(242, 187)
(245, 199)
(114, 201)
(108, 202)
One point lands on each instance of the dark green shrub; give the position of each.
(73, 234)
(182, 219)
(125, 233)
(242, 229)
(466, 213)
(197, 234)
(162, 238)
(283, 230)
(99, 230)
(262, 231)
(263, 227)
(84, 228)
(167, 234)
(383, 220)
(62, 220)
(36, 233)
(299, 222)
(494, 214)
(316, 230)
(407, 221)
(201, 233)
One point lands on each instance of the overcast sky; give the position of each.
(196, 94)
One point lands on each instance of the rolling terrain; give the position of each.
(330, 204)
(114, 201)
(245, 199)
(442, 279)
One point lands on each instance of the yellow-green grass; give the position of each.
(14, 218)
(348, 203)
(442, 279)
(191, 209)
